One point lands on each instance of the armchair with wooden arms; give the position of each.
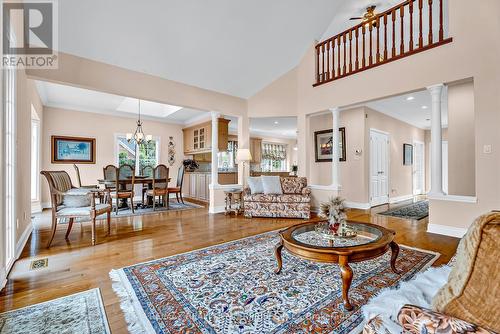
(100, 195)
(69, 202)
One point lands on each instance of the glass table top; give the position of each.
(365, 234)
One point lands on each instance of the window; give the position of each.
(137, 156)
(35, 156)
(274, 157)
(9, 167)
(226, 159)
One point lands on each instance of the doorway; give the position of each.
(379, 167)
(418, 168)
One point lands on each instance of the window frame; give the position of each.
(137, 163)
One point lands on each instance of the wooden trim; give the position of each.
(53, 158)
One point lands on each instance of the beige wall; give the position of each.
(474, 53)
(103, 128)
(461, 140)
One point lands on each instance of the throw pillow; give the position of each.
(293, 185)
(473, 289)
(76, 198)
(272, 185)
(255, 184)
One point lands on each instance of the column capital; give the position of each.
(334, 110)
(435, 89)
(215, 114)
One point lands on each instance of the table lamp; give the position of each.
(243, 155)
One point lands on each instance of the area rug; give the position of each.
(141, 211)
(81, 313)
(414, 211)
(232, 288)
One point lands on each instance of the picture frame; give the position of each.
(70, 150)
(323, 143)
(407, 154)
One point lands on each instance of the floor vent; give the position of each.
(39, 264)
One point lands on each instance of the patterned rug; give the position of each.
(414, 211)
(81, 313)
(141, 211)
(231, 288)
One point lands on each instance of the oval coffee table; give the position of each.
(372, 241)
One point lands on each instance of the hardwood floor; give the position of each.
(75, 265)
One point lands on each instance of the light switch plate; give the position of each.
(487, 149)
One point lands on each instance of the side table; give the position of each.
(234, 201)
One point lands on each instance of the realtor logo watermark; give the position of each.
(29, 34)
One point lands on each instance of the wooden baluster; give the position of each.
(317, 63)
(363, 62)
(430, 22)
(345, 60)
(327, 60)
(378, 40)
(420, 34)
(385, 37)
(333, 58)
(441, 31)
(370, 28)
(339, 69)
(350, 51)
(357, 53)
(323, 62)
(401, 15)
(393, 33)
(411, 25)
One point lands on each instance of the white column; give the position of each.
(335, 157)
(243, 142)
(215, 148)
(302, 144)
(436, 141)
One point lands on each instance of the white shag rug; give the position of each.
(419, 291)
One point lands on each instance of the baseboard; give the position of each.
(46, 205)
(358, 205)
(36, 207)
(22, 241)
(457, 232)
(397, 199)
(216, 209)
(3, 278)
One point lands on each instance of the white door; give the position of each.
(379, 168)
(418, 168)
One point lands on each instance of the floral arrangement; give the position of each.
(334, 210)
(190, 165)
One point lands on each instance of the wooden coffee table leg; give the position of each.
(277, 252)
(394, 256)
(346, 272)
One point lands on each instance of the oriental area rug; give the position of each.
(81, 313)
(232, 288)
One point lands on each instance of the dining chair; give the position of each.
(124, 181)
(69, 202)
(160, 185)
(146, 171)
(177, 190)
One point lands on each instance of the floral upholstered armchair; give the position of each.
(293, 201)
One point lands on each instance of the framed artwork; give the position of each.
(70, 150)
(407, 154)
(323, 145)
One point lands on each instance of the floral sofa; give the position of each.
(295, 202)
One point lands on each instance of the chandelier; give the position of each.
(138, 136)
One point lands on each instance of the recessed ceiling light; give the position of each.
(424, 107)
(276, 122)
(427, 119)
(409, 98)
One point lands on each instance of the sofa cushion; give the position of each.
(473, 289)
(293, 185)
(76, 197)
(271, 184)
(255, 184)
(273, 198)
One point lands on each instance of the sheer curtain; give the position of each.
(274, 157)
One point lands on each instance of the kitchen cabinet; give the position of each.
(197, 186)
(228, 178)
(256, 150)
(198, 138)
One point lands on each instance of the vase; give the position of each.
(333, 224)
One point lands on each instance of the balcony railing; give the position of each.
(408, 28)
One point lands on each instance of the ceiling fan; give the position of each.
(368, 16)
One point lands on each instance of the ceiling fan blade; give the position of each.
(356, 18)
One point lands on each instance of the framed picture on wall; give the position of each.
(70, 150)
(323, 145)
(407, 154)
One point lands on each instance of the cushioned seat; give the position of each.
(83, 211)
(284, 198)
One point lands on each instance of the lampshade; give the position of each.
(243, 154)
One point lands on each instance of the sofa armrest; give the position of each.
(306, 191)
(416, 320)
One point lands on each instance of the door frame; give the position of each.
(370, 165)
(415, 141)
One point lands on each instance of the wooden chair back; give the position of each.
(78, 179)
(110, 172)
(126, 172)
(148, 171)
(160, 177)
(59, 182)
(180, 177)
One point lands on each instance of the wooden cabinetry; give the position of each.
(198, 138)
(256, 150)
(228, 178)
(196, 185)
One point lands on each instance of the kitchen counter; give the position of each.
(225, 177)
